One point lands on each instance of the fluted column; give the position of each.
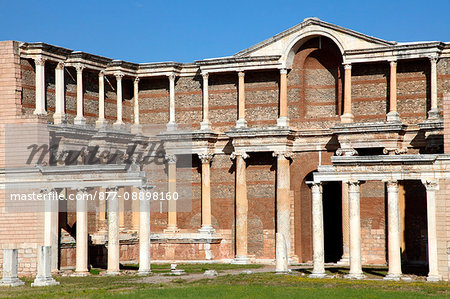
(432, 186)
(79, 119)
(172, 125)
(81, 268)
(394, 256)
(283, 202)
(40, 86)
(101, 100)
(59, 116)
(172, 204)
(393, 115)
(241, 122)
(241, 209)
(347, 116)
(119, 121)
(318, 233)
(113, 232)
(355, 230)
(144, 235)
(206, 193)
(283, 120)
(434, 113)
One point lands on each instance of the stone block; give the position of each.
(10, 277)
(44, 274)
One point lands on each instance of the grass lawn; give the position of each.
(258, 285)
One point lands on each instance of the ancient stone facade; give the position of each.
(280, 137)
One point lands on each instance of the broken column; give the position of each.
(10, 277)
(44, 273)
(281, 255)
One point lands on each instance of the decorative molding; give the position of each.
(40, 60)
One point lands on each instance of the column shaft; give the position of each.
(136, 101)
(119, 121)
(393, 115)
(433, 265)
(171, 125)
(206, 193)
(79, 119)
(283, 204)
(355, 230)
(172, 204)
(395, 262)
(318, 233)
(345, 226)
(434, 114)
(241, 122)
(82, 234)
(113, 233)
(347, 117)
(144, 237)
(59, 115)
(241, 210)
(101, 100)
(283, 114)
(205, 125)
(40, 86)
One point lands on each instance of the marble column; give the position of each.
(206, 194)
(144, 235)
(40, 86)
(172, 125)
(394, 250)
(345, 259)
(119, 121)
(136, 128)
(113, 266)
(393, 115)
(241, 209)
(283, 120)
(355, 231)
(318, 233)
(81, 268)
(44, 275)
(241, 122)
(172, 204)
(283, 203)
(101, 122)
(51, 226)
(205, 124)
(10, 277)
(79, 119)
(432, 186)
(59, 116)
(434, 114)
(347, 116)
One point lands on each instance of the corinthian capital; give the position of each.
(282, 154)
(60, 65)
(79, 67)
(244, 155)
(171, 158)
(119, 75)
(40, 60)
(206, 158)
(430, 184)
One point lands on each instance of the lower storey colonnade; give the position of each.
(393, 223)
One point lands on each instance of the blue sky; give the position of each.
(184, 31)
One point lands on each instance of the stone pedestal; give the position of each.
(44, 274)
(10, 277)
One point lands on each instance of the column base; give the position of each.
(241, 260)
(205, 126)
(347, 118)
(144, 272)
(283, 121)
(59, 119)
(101, 124)
(393, 117)
(171, 230)
(241, 123)
(317, 275)
(11, 282)
(434, 278)
(40, 112)
(81, 121)
(171, 126)
(393, 277)
(282, 272)
(434, 115)
(355, 276)
(119, 126)
(207, 230)
(81, 274)
(44, 281)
